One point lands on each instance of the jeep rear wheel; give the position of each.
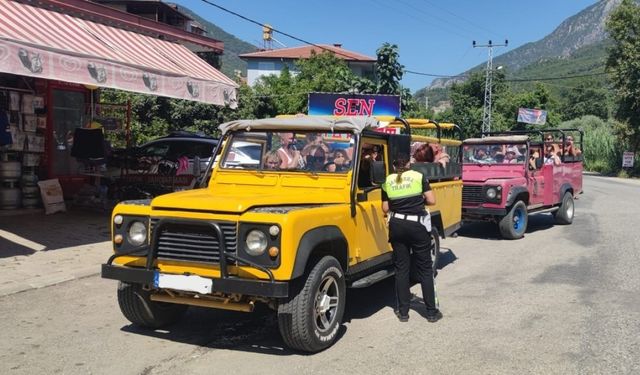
(140, 310)
(564, 215)
(513, 226)
(309, 319)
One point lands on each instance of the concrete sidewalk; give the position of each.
(45, 268)
(38, 250)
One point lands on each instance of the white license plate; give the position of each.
(191, 283)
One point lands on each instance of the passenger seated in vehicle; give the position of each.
(423, 154)
(314, 139)
(340, 159)
(510, 156)
(550, 156)
(317, 160)
(534, 155)
(369, 155)
(480, 155)
(570, 149)
(291, 157)
(439, 155)
(272, 160)
(548, 140)
(496, 153)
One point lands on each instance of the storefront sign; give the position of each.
(329, 104)
(627, 159)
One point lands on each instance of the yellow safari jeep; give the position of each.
(291, 217)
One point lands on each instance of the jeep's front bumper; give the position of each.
(226, 283)
(275, 289)
(479, 213)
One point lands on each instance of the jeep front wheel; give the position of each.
(513, 226)
(309, 319)
(140, 310)
(564, 215)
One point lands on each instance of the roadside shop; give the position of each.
(55, 57)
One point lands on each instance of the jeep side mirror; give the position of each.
(539, 163)
(363, 196)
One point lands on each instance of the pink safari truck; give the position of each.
(508, 176)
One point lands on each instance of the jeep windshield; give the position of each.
(288, 151)
(494, 153)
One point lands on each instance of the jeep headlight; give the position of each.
(256, 242)
(491, 193)
(137, 234)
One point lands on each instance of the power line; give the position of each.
(278, 31)
(406, 71)
(444, 23)
(555, 78)
(463, 75)
(460, 17)
(434, 75)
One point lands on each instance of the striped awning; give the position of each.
(46, 44)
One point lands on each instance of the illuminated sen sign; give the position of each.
(328, 104)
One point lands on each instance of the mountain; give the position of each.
(232, 45)
(577, 46)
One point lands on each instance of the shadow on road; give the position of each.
(217, 329)
(258, 332)
(50, 232)
(489, 231)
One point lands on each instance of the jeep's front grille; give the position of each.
(194, 242)
(471, 194)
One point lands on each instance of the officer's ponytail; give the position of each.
(402, 165)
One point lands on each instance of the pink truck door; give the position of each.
(535, 181)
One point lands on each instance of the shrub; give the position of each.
(601, 148)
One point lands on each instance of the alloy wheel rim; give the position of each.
(517, 220)
(326, 303)
(570, 208)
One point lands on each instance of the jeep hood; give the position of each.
(483, 175)
(206, 200)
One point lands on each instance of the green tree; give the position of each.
(467, 99)
(389, 71)
(284, 91)
(623, 26)
(539, 98)
(587, 98)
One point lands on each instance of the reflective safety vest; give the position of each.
(409, 186)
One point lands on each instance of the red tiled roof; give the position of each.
(304, 52)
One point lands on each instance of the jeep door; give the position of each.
(370, 222)
(535, 181)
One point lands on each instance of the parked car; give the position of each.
(171, 148)
(505, 179)
(163, 165)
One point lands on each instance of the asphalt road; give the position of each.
(563, 300)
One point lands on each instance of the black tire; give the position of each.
(300, 318)
(140, 310)
(513, 226)
(564, 215)
(435, 249)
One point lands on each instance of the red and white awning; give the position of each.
(46, 44)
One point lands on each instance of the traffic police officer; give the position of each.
(404, 195)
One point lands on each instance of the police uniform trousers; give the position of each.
(407, 237)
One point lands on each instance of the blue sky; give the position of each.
(433, 36)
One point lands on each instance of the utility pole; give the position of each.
(488, 84)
